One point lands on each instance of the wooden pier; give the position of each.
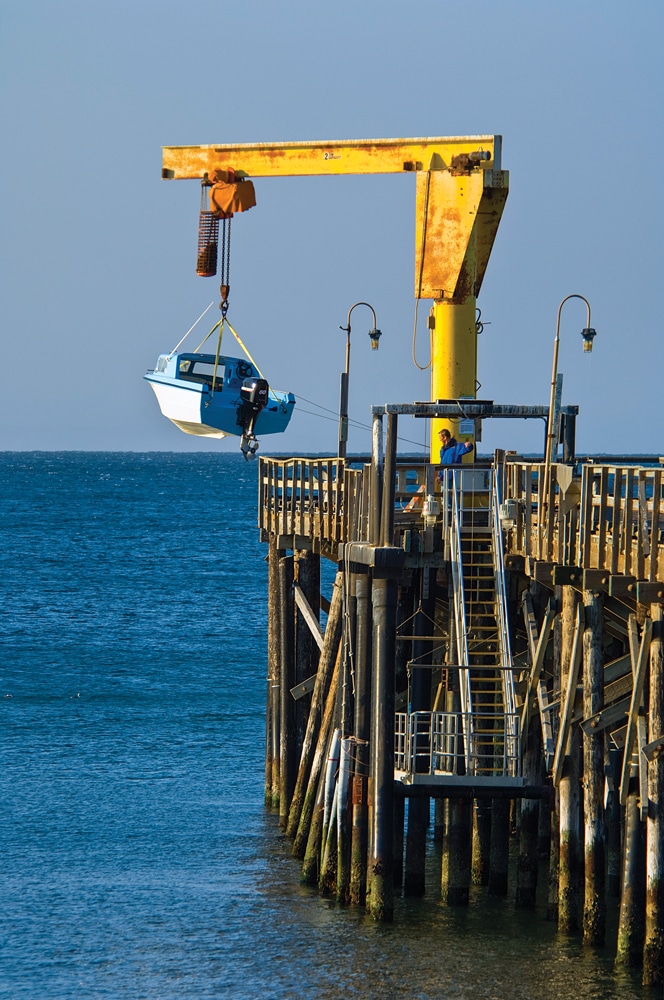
(494, 645)
(494, 636)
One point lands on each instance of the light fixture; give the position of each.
(430, 511)
(374, 336)
(588, 335)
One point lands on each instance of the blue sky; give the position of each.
(98, 273)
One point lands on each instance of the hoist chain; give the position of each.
(225, 264)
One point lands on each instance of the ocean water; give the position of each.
(138, 860)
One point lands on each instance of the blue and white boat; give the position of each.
(214, 396)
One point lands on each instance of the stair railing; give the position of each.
(455, 493)
(509, 696)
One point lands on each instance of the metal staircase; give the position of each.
(482, 740)
(486, 683)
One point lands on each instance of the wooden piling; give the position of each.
(631, 922)
(527, 861)
(438, 820)
(361, 731)
(569, 800)
(553, 878)
(273, 679)
(398, 843)
(544, 828)
(653, 951)
(528, 858)
(614, 827)
(324, 673)
(418, 815)
(384, 600)
(328, 862)
(308, 814)
(500, 847)
(594, 906)
(458, 864)
(444, 826)
(307, 577)
(287, 742)
(312, 835)
(343, 822)
(481, 842)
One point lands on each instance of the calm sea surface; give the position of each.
(137, 858)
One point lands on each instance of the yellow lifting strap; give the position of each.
(216, 357)
(224, 322)
(242, 346)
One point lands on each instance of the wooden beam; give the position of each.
(607, 717)
(304, 687)
(567, 576)
(652, 749)
(308, 615)
(570, 694)
(538, 645)
(639, 656)
(622, 586)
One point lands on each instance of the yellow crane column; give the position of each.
(458, 209)
(453, 362)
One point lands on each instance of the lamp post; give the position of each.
(374, 335)
(588, 335)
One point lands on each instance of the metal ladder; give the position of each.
(486, 681)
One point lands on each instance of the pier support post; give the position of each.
(653, 951)
(307, 576)
(444, 827)
(362, 729)
(614, 826)
(527, 862)
(459, 853)
(398, 843)
(481, 851)
(287, 762)
(273, 675)
(321, 686)
(311, 814)
(553, 878)
(500, 846)
(384, 599)
(418, 814)
(631, 924)
(569, 800)
(594, 906)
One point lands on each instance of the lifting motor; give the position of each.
(226, 193)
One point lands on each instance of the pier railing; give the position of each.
(326, 500)
(606, 517)
(314, 499)
(599, 516)
(437, 744)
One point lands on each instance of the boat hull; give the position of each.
(195, 409)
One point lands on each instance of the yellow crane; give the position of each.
(461, 191)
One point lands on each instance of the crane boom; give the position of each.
(461, 191)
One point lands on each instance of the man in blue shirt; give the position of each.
(451, 452)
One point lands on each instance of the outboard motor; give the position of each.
(254, 392)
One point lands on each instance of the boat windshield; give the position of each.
(194, 370)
